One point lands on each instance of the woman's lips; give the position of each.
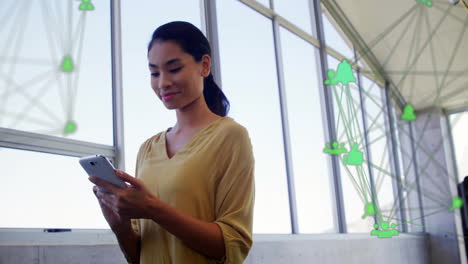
(169, 97)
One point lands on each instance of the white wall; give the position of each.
(101, 248)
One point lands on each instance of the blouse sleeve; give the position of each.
(140, 156)
(235, 195)
(135, 223)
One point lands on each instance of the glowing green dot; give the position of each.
(369, 210)
(384, 225)
(426, 2)
(457, 202)
(70, 127)
(67, 64)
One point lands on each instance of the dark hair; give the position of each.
(193, 42)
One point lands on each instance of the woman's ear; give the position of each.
(206, 65)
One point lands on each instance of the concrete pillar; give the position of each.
(435, 168)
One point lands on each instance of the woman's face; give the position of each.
(174, 71)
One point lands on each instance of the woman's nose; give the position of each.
(164, 81)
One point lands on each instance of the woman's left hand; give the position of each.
(135, 201)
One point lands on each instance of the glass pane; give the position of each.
(379, 138)
(335, 39)
(355, 180)
(249, 81)
(296, 12)
(55, 69)
(459, 123)
(145, 115)
(46, 191)
(311, 174)
(409, 192)
(361, 63)
(266, 3)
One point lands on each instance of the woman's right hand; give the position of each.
(116, 222)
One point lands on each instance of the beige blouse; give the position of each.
(210, 178)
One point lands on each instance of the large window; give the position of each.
(297, 12)
(379, 144)
(55, 69)
(55, 80)
(311, 175)
(335, 40)
(408, 172)
(46, 191)
(355, 178)
(144, 114)
(249, 81)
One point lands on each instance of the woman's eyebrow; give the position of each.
(169, 62)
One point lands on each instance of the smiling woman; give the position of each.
(193, 192)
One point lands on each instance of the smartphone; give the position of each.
(101, 167)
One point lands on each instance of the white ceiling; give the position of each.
(423, 50)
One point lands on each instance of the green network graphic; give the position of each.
(65, 23)
(350, 142)
(384, 232)
(369, 210)
(86, 5)
(67, 64)
(41, 48)
(426, 2)
(408, 113)
(343, 75)
(457, 203)
(334, 149)
(354, 157)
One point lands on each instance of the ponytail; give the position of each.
(214, 97)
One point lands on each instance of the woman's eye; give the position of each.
(176, 70)
(156, 74)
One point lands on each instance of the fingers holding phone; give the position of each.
(114, 220)
(108, 185)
